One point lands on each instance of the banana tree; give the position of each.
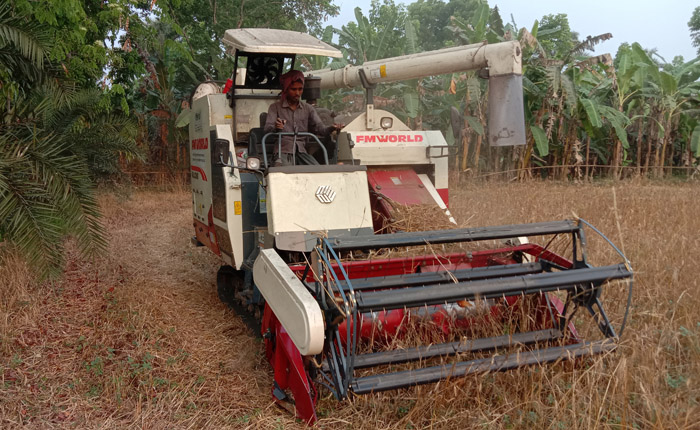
(385, 32)
(378, 36)
(663, 103)
(681, 91)
(168, 74)
(474, 92)
(564, 95)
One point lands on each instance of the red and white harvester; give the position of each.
(346, 309)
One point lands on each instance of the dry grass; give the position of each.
(416, 218)
(139, 339)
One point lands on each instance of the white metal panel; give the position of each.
(390, 155)
(248, 112)
(234, 221)
(273, 41)
(381, 148)
(219, 110)
(434, 194)
(296, 192)
(200, 162)
(439, 159)
(360, 123)
(293, 305)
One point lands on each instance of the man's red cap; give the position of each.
(289, 78)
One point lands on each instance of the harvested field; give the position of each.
(139, 339)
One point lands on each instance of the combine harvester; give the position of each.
(343, 308)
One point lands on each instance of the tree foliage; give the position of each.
(23, 48)
(381, 34)
(50, 146)
(433, 17)
(56, 136)
(694, 26)
(86, 83)
(585, 114)
(555, 36)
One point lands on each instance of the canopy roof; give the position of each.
(272, 41)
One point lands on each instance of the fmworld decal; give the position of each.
(391, 138)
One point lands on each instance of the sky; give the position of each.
(654, 24)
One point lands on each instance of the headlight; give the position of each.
(252, 163)
(386, 122)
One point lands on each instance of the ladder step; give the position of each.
(452, 348)
(372, 301)
(427, 278)
(409, 378)
(449, 236)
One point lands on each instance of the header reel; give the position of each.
(427, 316)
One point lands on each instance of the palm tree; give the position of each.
(49, 135)
(23, 48)
(45, 187)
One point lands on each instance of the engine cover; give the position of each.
(307, 201)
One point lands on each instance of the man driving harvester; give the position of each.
(291, 115)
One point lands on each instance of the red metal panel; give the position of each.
(401, 185)
(403, 265)
(200, 171)
(288, 364)
(206, 234)
(445, 194)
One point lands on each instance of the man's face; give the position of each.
(294, 92)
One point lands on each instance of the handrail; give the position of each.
(279, 143)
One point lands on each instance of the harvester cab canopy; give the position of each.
(272, 41)
(265, 54)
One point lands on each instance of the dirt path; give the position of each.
(139, 338)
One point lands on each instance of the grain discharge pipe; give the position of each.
(502, 61)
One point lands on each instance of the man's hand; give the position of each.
(279, 124)
(338, 126)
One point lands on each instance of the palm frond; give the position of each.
(28, 219)
(23, 46)
(49, 150)
(26, 37)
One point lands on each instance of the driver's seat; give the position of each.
(255, 140)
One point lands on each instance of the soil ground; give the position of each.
(139, 339)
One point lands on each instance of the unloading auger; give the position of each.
(356, 312)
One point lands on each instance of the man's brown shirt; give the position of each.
(304, 118)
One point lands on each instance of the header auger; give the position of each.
(345, 309)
